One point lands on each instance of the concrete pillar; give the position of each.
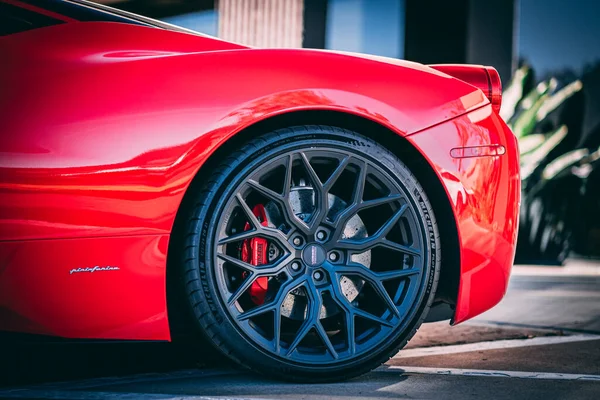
(262, 23)
(315, 23)
(462, 31)
(491, 38)
(436, 31)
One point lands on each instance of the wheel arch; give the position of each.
(447, 291)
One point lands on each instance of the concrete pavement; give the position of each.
(384, 383)
(566, 298)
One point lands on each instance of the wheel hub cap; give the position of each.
(313, 255)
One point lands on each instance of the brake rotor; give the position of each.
(302, 202)
(258, 251)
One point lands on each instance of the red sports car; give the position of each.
(304, 211)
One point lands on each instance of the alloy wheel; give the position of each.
(319, 255)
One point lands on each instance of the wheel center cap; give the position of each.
(313, 255)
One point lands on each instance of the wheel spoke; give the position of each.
(273, 195)
(343, 301)
(318, 299)
(366, 273)
(264, 231)
(367, 315)
(304, 329)
(251, 218)
(359, 187)
(263, 308)
(322, 189)
(378, 237)
(378, 202)
(262, 270)
(283, 202)
(249, 214)
(277, 329)
(384, 295)
(242, 289)
(387, 227)
(320, 194)
(311, 171)
(240, 236)
(246, 285)
(401, 248)
(352, 312)
(283, 291)
(259, 229)
(237, 262)
(400, 273)
(309, 321)
(336, 174)
(357, 204)
(350, 332)
(287, 182)
(374, 279)
(349, 212)
(357, 194)
(312, 321)
(325, 339)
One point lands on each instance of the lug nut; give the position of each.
(297, 241)
(295, 266)
(321, 235)
(333, 256)
(318, 275)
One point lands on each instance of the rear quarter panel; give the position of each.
(485, 195)
(104, 127)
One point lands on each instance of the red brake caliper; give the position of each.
(254, 251)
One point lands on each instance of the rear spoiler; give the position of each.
(485, 78)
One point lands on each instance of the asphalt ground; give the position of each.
(541, 342)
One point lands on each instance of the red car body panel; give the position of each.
(485, 194)
(38, 295)
(106, 124)
(118, 120)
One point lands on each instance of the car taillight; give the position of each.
(485, 78)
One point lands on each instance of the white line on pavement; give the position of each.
(559, 293)
(491, 345)
(490, 373)
(571, 269)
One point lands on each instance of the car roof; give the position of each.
(88, 11)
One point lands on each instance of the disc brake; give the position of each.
(254, 251)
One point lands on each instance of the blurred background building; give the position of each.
(546, 51)
(551, 34)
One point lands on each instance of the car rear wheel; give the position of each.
(311, 254)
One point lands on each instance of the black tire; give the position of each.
(203, 276)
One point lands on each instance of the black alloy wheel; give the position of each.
(312, 254)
